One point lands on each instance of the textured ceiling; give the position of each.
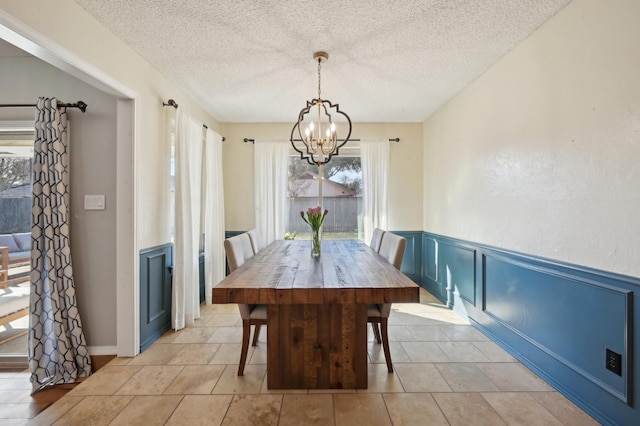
(389, 61)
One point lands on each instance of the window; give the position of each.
(342, 196)
(16, 158)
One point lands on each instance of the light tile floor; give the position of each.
(446, 373)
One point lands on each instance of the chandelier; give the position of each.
(315, 136)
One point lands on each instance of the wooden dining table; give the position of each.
(317, 308)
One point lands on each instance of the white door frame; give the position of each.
(127, 261)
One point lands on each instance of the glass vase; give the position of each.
(316, 240)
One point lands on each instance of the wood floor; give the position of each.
(445, 373)
(16, 401)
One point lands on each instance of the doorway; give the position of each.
(123, 267)
(16, 154)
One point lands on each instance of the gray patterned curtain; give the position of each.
(57, 347)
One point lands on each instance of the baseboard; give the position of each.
(14, 361)
(100, 355)
(102, 350)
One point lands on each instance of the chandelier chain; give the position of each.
(319, 63)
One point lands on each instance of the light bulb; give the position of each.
(311, 126)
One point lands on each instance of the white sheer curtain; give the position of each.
(271, 160)
(374, 155)
(214, 260)
(186, 289)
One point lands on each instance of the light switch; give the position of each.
(94, 202)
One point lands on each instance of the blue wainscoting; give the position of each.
(454, 278)
(556, 318)
(155, 293)
(229, 234)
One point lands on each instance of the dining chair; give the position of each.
(376, 239)
(256, 240)
(239, 250)
(392, 248)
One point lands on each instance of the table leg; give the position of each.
(317, 346)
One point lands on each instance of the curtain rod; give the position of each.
(82, 106)
(339, 140)
(173, 103)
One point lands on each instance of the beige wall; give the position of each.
(93, 161)
(71, 33)
(541, 154)
(405, 174)
(68, 25)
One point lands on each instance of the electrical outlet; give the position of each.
(614, 362)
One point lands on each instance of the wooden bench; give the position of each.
(7, 264)
(14, 294)
(4, 264)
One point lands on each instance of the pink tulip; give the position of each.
(314, 217)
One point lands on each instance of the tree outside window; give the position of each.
(15, 194)
(14, 172)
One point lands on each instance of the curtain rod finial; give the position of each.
(170, 102)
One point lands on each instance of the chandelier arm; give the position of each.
(301, 115)
(329, 144)
(308, 157)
